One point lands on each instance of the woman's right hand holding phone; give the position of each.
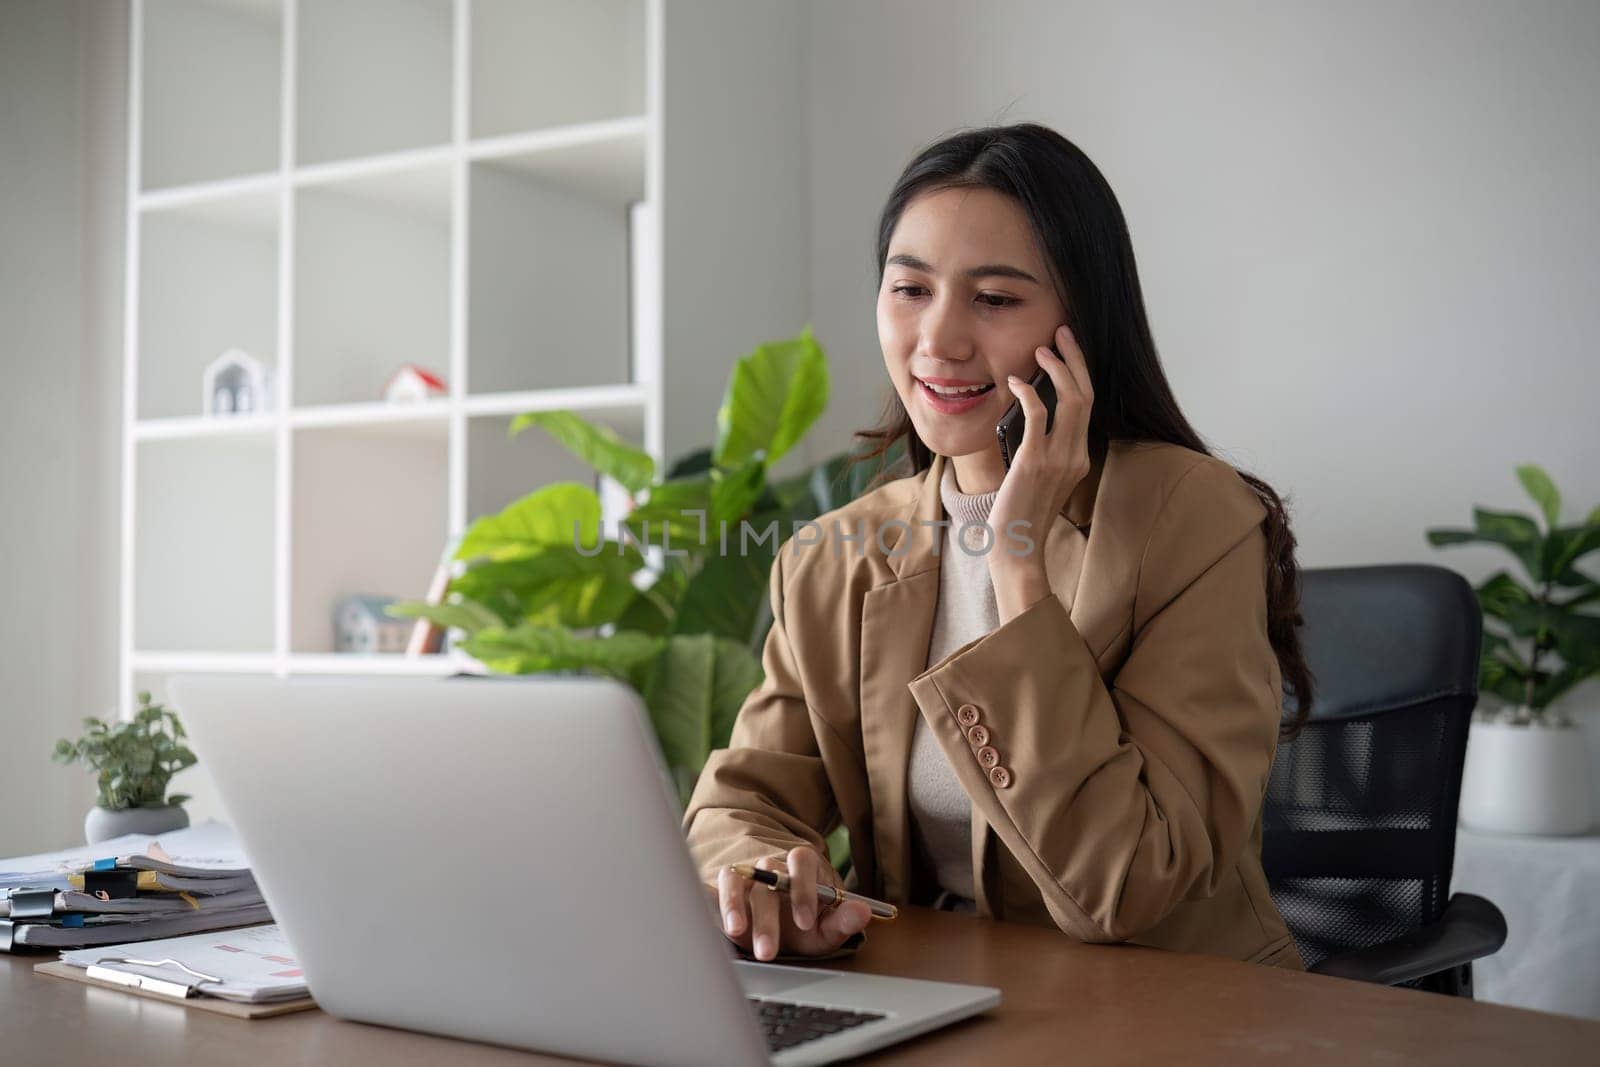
(764, 921)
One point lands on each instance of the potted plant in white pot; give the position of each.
(133, 762)
(1527, 766)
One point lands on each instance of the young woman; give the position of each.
(1050, 693)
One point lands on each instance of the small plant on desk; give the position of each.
(134, 762)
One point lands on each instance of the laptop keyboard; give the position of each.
(787, 1024)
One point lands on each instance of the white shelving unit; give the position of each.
(340, 187)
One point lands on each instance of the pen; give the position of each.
(825, 893)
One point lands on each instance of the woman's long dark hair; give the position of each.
(1080, 229)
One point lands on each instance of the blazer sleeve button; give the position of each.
(967, 715)
(999, 777)
(988, 757)
(978, 735)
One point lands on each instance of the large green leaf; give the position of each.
(1510, 686)
(533, 648)
(599, 446)
(695, 690)
(1551, 689)
(734, 492)
(1500, 595)
(792, 494)
(737, 675)
(836, 481)
(678, 511)
(648, 612)
(723, 598)
(696, 462)
(776, 393)
(1499, 648)
(1577, 637)
(562, 513)
(678, 694)
(1543, 490)
(581, 589)
(1564, 547)
(1516, 532)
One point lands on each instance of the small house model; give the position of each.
(412, 383)
(360, 624)
(235, 383)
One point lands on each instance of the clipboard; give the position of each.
(236, 1009)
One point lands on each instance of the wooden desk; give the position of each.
(1063, 1002)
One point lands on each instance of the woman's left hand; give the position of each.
(1043, 474)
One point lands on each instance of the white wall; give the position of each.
(1369, 233)
(62, 68)
(735, 242)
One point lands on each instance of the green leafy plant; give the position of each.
(541, 588)
(1542, 644)
(133, 760)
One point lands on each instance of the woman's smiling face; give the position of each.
(966, 299)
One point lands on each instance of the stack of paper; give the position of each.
(254, 966)
(131, 888)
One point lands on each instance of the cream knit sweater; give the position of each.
(941, 813)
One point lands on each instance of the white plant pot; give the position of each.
(1526, 779)
(102, 824)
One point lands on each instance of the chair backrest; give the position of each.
(1359, 824)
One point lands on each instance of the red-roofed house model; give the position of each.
(412, 383)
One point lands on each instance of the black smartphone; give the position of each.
(1011, 425)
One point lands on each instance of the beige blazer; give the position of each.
(1128, 721)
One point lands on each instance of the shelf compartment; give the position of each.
(372, 282)
(603, 161)
(208, 283)
(369, 518)
(503, 469)
(374, 76)
(549, 301)
(204, 544)
(555, 63)
(212, 90)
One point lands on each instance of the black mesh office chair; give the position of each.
(1360, 818)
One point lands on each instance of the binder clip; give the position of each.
(32, 903)
(116, 883)
(180, 989)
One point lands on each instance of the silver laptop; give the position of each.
(500, 859)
